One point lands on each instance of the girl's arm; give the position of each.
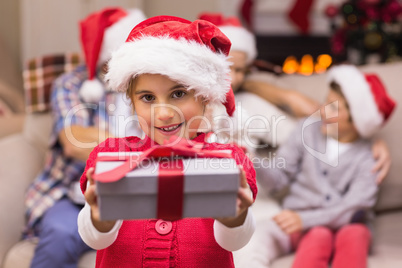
(235, 238)
(90, 235)
(234, 233)
(91, 198)
(95, 233)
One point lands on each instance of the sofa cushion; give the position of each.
(22, 253)
(373, 262)
(20, 162)
(37, 129)
(388, 235)
(11, 98)
(11, 124)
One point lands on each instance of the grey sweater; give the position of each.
(322, 193)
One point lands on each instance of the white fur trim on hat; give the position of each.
(364, 110)
(186, 62)
(242, 40)
(117, 34)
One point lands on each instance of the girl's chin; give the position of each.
(160, 139)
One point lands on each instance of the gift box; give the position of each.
(134, 186)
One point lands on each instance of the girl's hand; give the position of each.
(244, 201)
(289, 221)
(383, 159)
(91, 198)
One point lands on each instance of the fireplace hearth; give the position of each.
(276, 49)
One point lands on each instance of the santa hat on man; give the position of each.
(241, 38)
(102, 33)
(369, 104)
(191, 53)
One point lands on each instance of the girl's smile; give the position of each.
(171, 129)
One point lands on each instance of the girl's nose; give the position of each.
(164, 113)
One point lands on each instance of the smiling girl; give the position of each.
(171, 69)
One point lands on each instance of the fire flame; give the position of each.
(307, 66)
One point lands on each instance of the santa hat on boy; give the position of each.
(101, 33)
(369, 104)
(241, 38)
(191, 53)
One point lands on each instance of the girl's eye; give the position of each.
(178, 94)
(147, 98)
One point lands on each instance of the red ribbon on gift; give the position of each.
(170, 190)
(170, 176)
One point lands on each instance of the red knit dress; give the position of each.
(190, 243)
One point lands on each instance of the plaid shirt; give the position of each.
(59, 171)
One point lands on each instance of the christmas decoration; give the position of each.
(366, 31)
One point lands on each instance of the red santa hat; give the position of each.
(369, 104)
(191, 53)
(241, 38)
(101, 33)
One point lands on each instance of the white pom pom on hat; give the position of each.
(101, 33)
(369, 104)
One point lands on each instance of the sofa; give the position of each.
(11, 95)
(22, 157)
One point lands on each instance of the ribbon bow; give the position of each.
(174, 147)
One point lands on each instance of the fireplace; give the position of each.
(296, 54)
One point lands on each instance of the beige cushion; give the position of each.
(25, 150)
(373, 262)
(11, 124)
(388, 235)
(12, 97)
(22, 253)
(20, 162)
(37, 129)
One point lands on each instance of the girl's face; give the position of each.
(166, 108)
(337, 121)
